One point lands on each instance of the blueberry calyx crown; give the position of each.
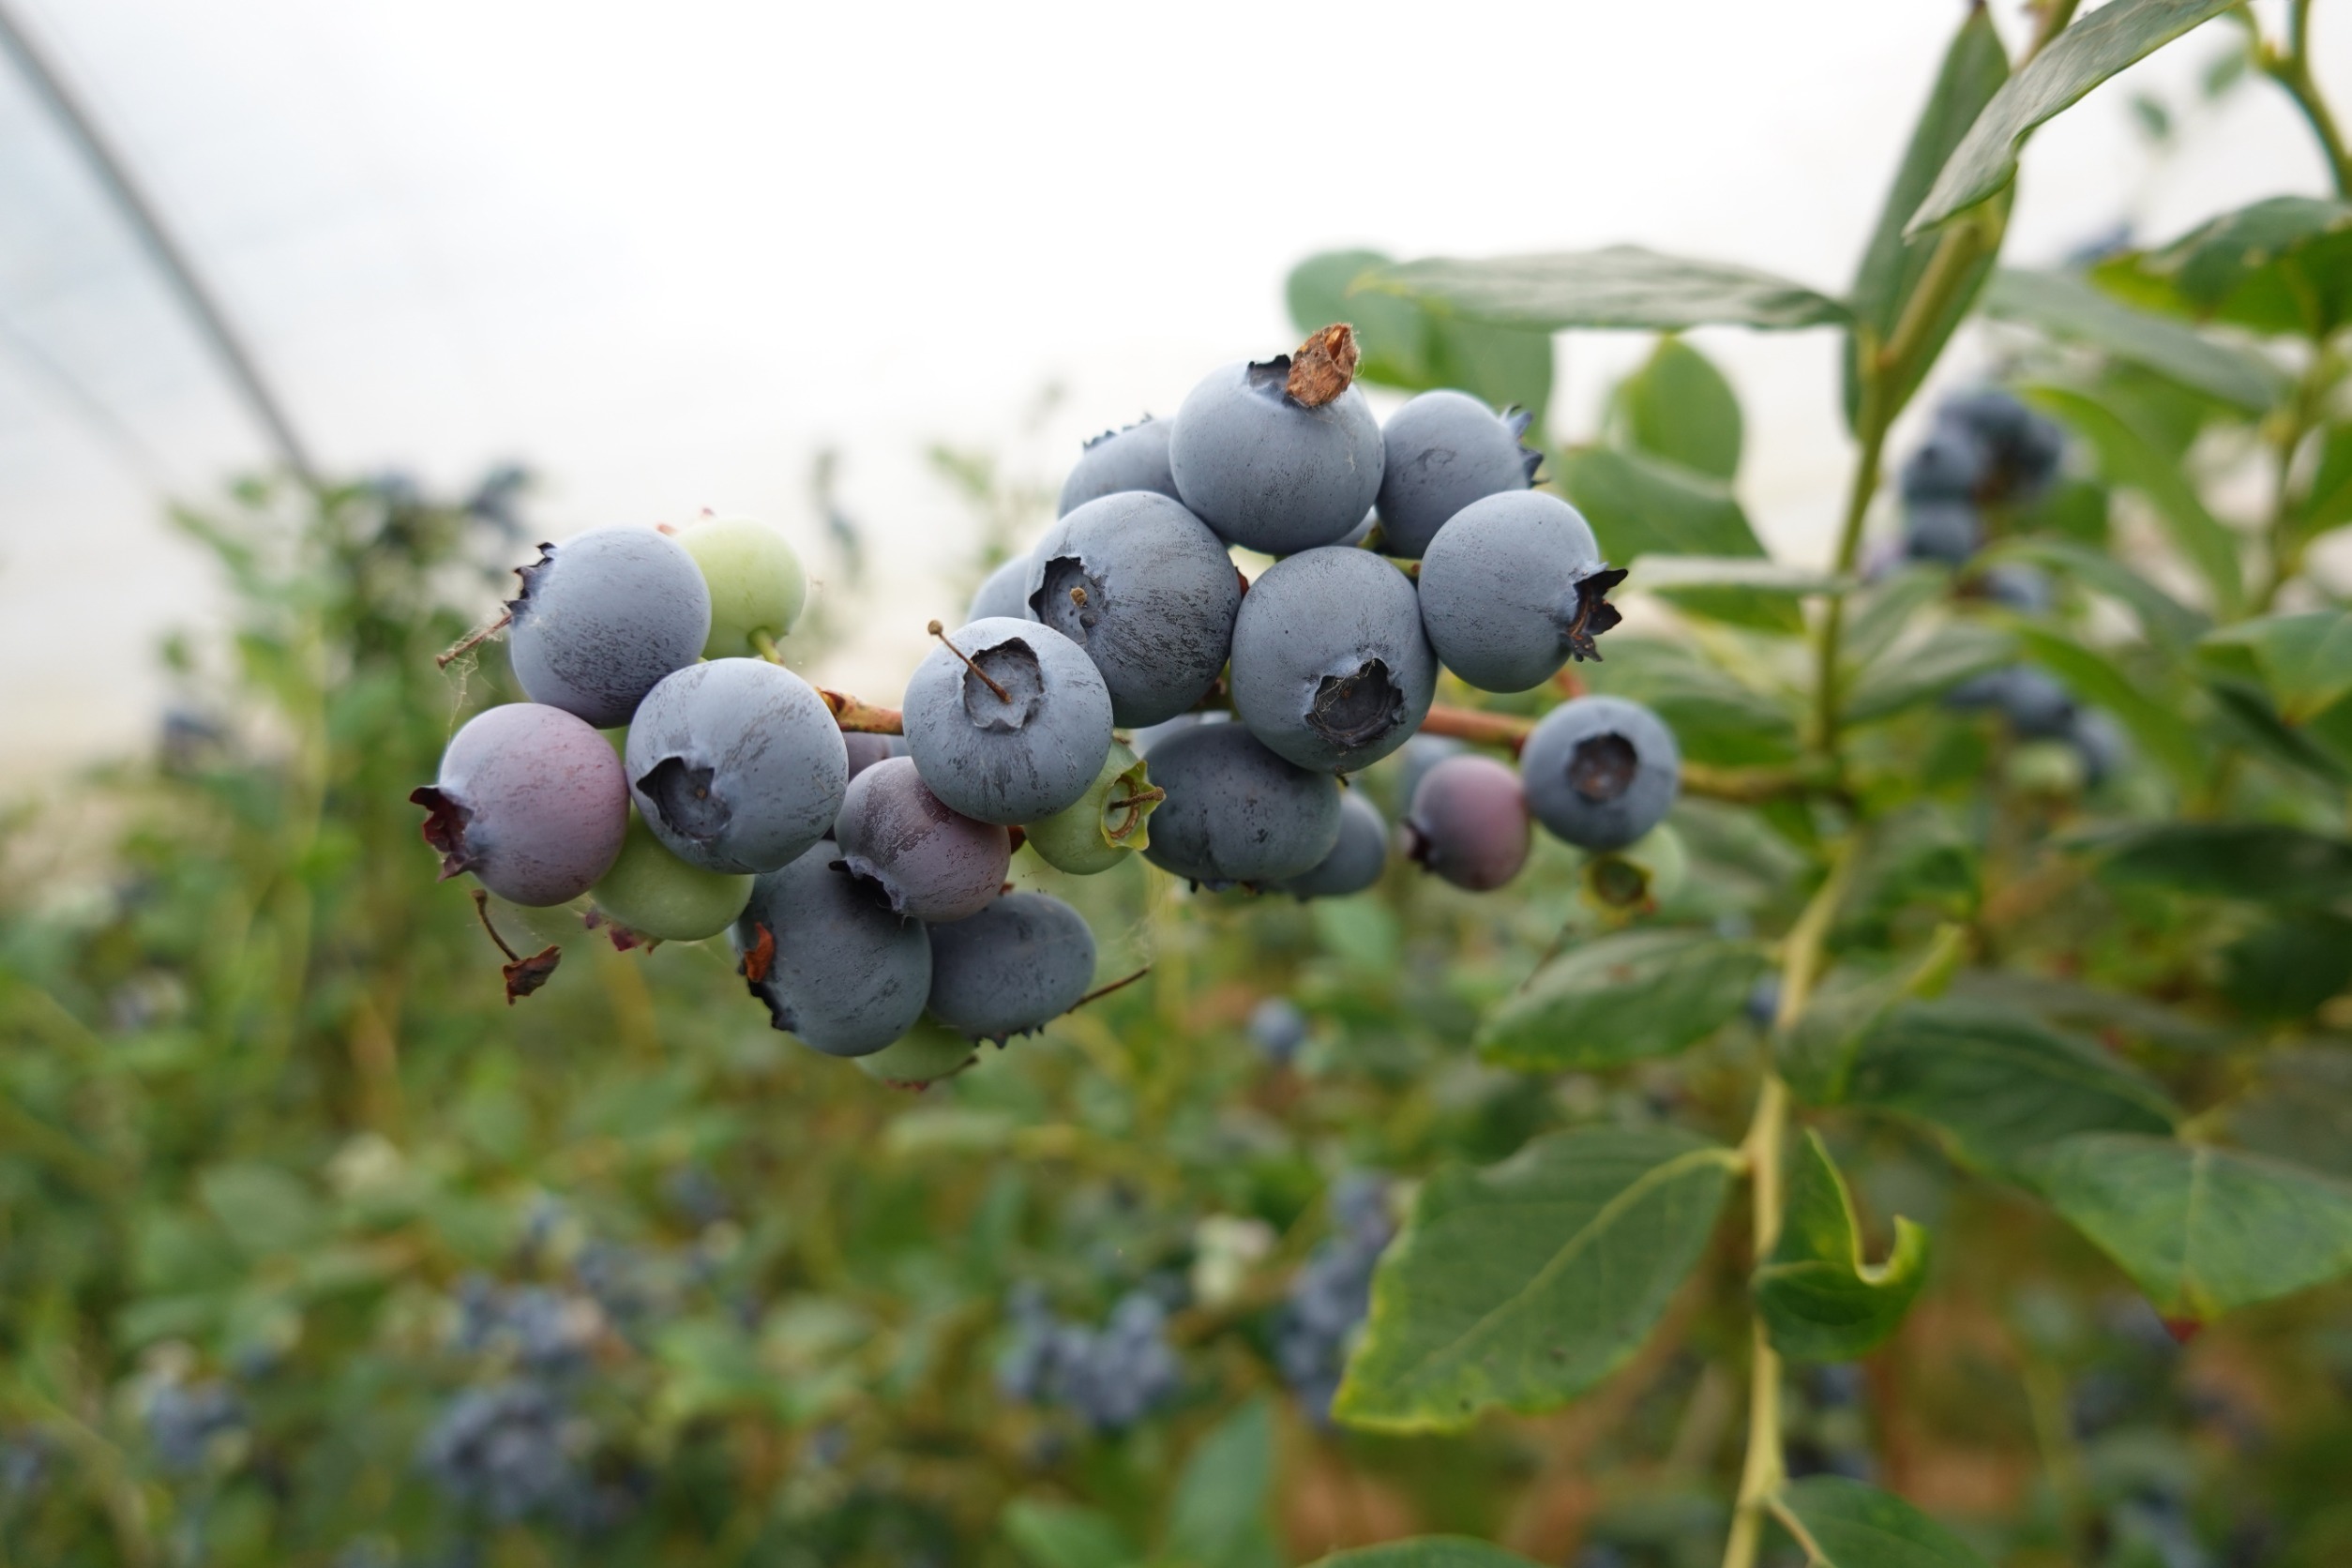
(1516, 420)
(1593, 614)
(1093, 440)
(445, 830)
(1357, 708)
(1317, 371)
(529, 574)
(1602, 767)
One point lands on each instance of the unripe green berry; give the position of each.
(1651, 870)
(757, 585)
(1105, 825)
(656, 895)
(924, 1055)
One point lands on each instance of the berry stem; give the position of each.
(473, 640)
(1002, 695)
(861, 717)
(481, 909)
(1101, 991)
(764, 646)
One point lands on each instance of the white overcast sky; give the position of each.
(664, 254)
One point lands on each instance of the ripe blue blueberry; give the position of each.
(737, 765)
(1235, 812)
(1600, 772)
(2105, 751)
(1132, 459)
(1941, 528)
(1330, 668)
(1513, 587)
(1356, 860)
(1004, 592)
(1148, 591)
(1278, 1028)
(2014, 585)
(1018, 732)
(1469, 822)
(921, 859)
(2022, 447)
(1440, 452)
(602, 617)
(1949, 465)
(837, 972)
(530, 800)
(1281, 455)
(2036, 705)
(1012, 968)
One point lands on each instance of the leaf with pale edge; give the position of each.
(1845, 1524)
(1621, 999)
(1996, 1085)
(2092, 50)
(1622, 286)
(1525, 1284)
(2201, 1230)
(1819, 1299)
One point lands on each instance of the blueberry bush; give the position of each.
(1407, 995)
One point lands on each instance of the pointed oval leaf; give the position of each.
(1523, 1285)
(2167, 624)
(2200, 1229)
(2130, 458)
(1679, 407)
(2155, 724)
(1426, 1551)
(1640, 505)
(1925, 670)
(1997, 1086)
(2062, 304)
(1061, 1536)
(1845, 1524)
(1404, 345)
(2274, 267)
(2305, 660)
(2092, 50)
(1820, 1298)
(1973, 69)
(1621, 999)
(1622, 286)
(2266, 862)
(1218, 1517)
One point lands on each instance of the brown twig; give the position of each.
(473, 640)
(1101, 991)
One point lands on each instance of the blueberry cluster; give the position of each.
(1985, 451)
(504, 1449)
(186, 1422)
(1332, 1293)
(543, 1330)
(1110, 1377)
(860, 879)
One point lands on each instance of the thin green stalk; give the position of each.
(1803, 955)
(2290, 67)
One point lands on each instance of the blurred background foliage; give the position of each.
(314, 1251)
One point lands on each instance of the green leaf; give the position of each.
(2266, 862)
(2278, 265)
(1426, 1551)
(2169, 623)
(1622, 286)
(1525, 1284)
(1738, 590)
(2062, 304)
(2200, 1229)
(2329, 503)
(2086, 53)
(1925, 669)
(1819, 1298)
(1621, 999)
(1974, 68)
(2128, 459)
(2156, 725)
(1716, 719)
(1404, 346)
(1679, 407)
(1218, 1518)
(265, 1210)
(2288, 970)
(2305, 660)
(1059, 1535)
(2316, 749)
(2299, 1110)
(1848, 1525)
(1996, 1085)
